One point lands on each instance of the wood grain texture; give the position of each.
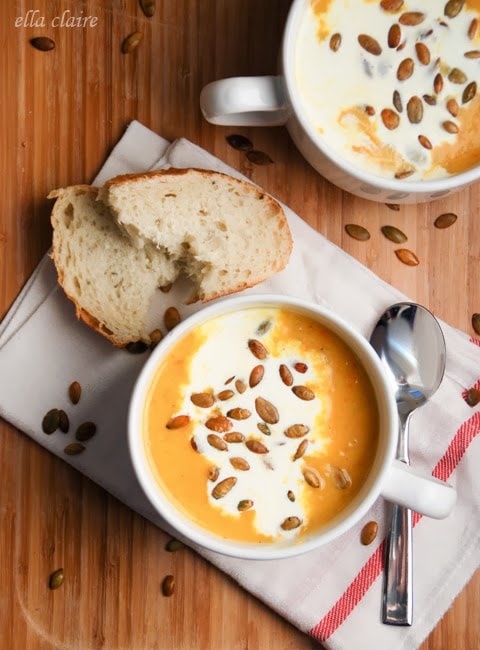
(61, 113)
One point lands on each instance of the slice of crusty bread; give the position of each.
(114, 246)
(227, 234)
(110, 281)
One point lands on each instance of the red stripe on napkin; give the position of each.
(374, 565)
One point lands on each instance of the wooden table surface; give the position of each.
(61, 112)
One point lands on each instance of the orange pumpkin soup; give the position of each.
(260, 425)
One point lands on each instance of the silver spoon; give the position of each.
(410, 344)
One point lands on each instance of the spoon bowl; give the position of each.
(410, 343)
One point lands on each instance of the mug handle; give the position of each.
(245, 101)
(426, 495)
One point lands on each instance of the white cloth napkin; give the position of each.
(333, 594)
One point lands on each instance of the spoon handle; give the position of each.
(398, 590)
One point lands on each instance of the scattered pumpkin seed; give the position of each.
(155, 337)
(173, 545)
(240, 386)
(63, 421)
(178, 421)
(213, 473)
(171, 318)
(411, 18)
(131, 42)
(290, 523)
(405, 69)
(369, 44)
(472, 397)
(438, 83)
(415, 109)
(357, 232)
(312, 477)
(369, 532)
(239, 463)
(425, 142)
(393, 206)
(202, 400)
(42, 43)
(240, 142)
(56, 579)
(445, 220)
(74, 448)
(256, 376)
(264, 327)
(225, 395)
(476, 323)
(457, 76)
(238, 413)
(394, 35)
(302, 392)
(291, 495)
(335, 41)
(217, 442)
(469, 92)
(394, 234)
(266, 410)
(168, 586)
(51, 421)
(257, 349)
(407, 257)
(234, 436)
(244, 504)
(301, 449)
(86, 431)
(264, 428)
(224, 487)
(472, 29)
(285, 374)
(300, 367)
(259, 157)
(450, 127)
(75, 392)
(391, 5)
(397, 101)
(256, 447)
(453, 8)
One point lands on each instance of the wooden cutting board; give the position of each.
(61, 112)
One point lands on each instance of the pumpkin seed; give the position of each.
(51, 421)
(239, 463)
(357, 232)
(42, 43)
(193, 444)
(369, 532)
(225, 395)
(394, 234)
(411, 18)
(148, 7)
(405, 172)
(256, 447)
(224, 487)
(213, 473)
(415, 109)
(266, 410)
(472, 54)
(476, 323)
(56, 579)
(457, 76)
(63, 421)
(304, 393)
(178, 422)
(234, 436)
(155, 337)
(264, 327)
(390, 119)
(290, 496)
(407, 257)
(393, 206)
(472, 29)
(369, 44)
(423, 53)
(240, 142)
(397, 101)
(450, 127)
(244, 504)
(472, 397)
(285, 375)
(301, 449)
(394, 35)
(74, 392)
(219, 424)
(202, 400)
(217, 442)
(171, 318)
(86, 431)
(453, 8)
(259, 157)
(136, 347)
(239, 413)
(445, 220)
(429, 99)
(341, 478)
(257, 349)
(313, 478)
(296, 431)
(452, 107)
(290, 523)
(173, 545)
(131, 42)
(469, 92)
(369, 110)
(74, 448)
(240, 386)
(301, 367)
(264, 428)
(438, 83)
(168, 586)
(335, 41)
(391, 5)
(256, 376)
(425, 142)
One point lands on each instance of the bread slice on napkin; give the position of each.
(225, 233)
(114, 246)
